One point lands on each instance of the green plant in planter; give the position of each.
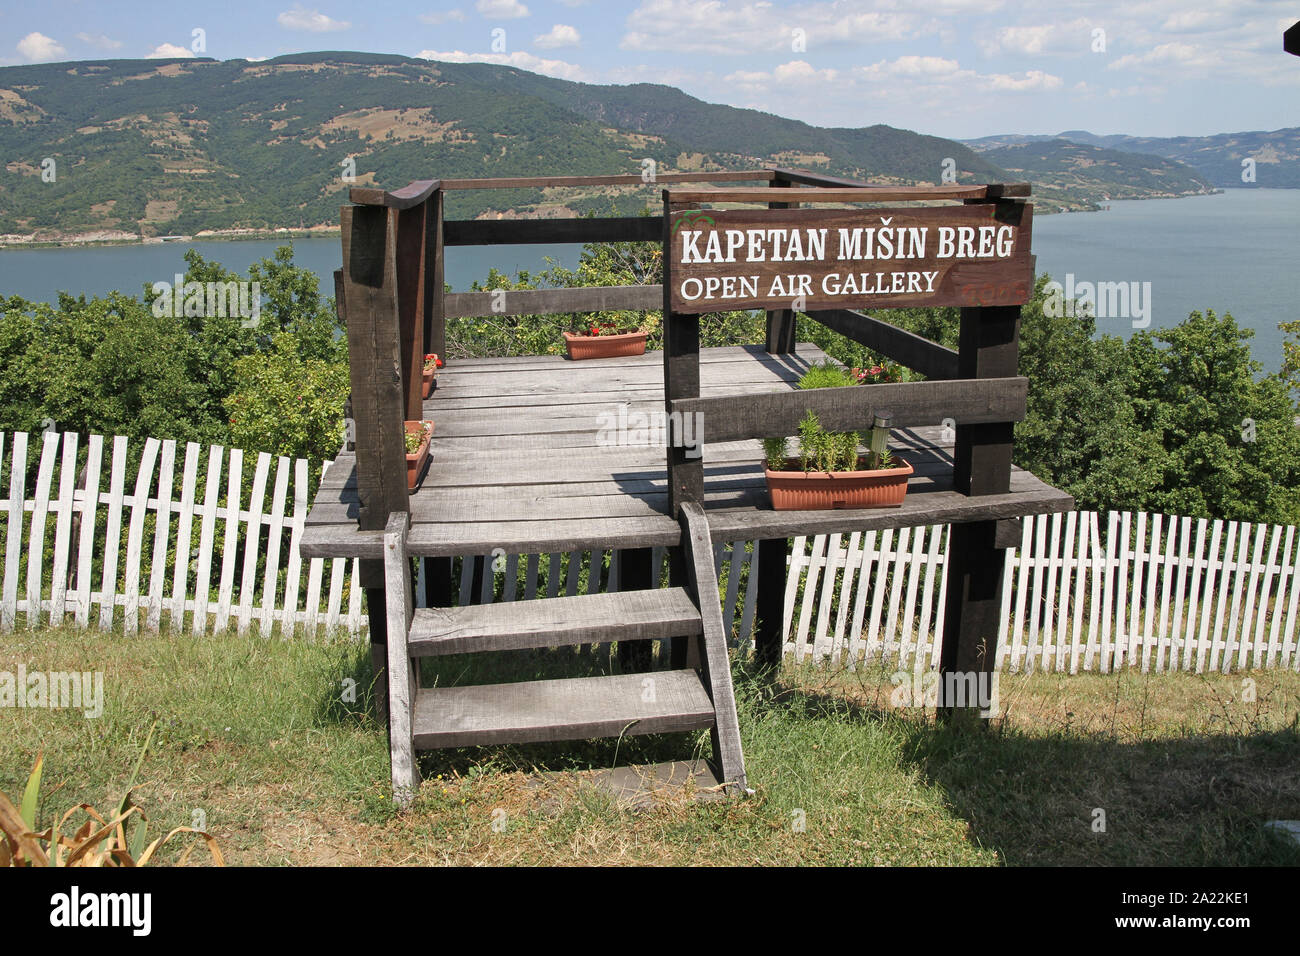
(827, 451)
(776, 451)
(415, 439)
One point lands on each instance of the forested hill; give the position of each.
(153, 147)
(1216, 158)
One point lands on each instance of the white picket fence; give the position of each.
(182, 549)
(1083, 591)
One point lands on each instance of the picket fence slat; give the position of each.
(1082, 590)
(89, 496)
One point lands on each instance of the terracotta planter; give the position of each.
(820, 490)
(415, 462)
(429, 382)
(604, 346)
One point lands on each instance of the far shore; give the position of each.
(102, 237)
(98, 238)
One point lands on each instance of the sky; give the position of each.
(954, 68)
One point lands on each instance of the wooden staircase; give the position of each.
(692, 698)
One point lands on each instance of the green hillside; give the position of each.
(1100, 174)
(153, 147)
(1217, 159)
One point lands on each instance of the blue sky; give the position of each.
(957, 68)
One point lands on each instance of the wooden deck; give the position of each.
(521, 461)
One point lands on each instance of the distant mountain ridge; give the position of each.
(1216, 158)
(155, 147)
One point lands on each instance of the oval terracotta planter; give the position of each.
(430, 379)
(415, 462)
(605, 346)
(821, 490)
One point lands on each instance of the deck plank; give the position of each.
(518, 462)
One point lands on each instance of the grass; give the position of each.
(256, 734)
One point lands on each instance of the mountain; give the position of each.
(1218, 159)
(1100, 174)
(155, 147)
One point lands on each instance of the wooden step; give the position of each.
(554, 622)
(573, 709)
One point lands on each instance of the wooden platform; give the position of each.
(523, 460)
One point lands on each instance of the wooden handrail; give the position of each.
(912, 351)
(606, 298)
(745, 415)
(498, 232)
(633, 179)
(764, 194)
(412, 194)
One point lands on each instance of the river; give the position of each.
(1232, 252)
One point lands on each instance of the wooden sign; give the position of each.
(810, 259)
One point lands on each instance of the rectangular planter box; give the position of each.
(415, 462)
(820, 490)
(604, 346)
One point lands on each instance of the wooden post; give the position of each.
(781, 322)
(412, 304)
(435, 309)
(401, 676)
(681, 380)
(773, 556)
(635, 573)
(989, 348)
(369, 306)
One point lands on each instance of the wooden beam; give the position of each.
(644, 298)
(402, 682)
(435, 310)
(745, 415)
(633, 179)
(374, 362)
(780, 322)
(688, 198)
(499, 232)
(715, 662)
(990, 350)
(773, 555)
(806, 177)
(409, 196)
(681, 337)
(412, 235)
(931, 359)
(636, 572)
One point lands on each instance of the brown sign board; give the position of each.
(720, 260)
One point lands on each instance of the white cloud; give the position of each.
(1173, 53)
(99, 41)
(501, 9)
(745, 27)
(1072, 37)
(792, 74)
(560, 35)
(523, 61)
(37, 47)
(170, 51)
(313, 21)
(435, 19)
